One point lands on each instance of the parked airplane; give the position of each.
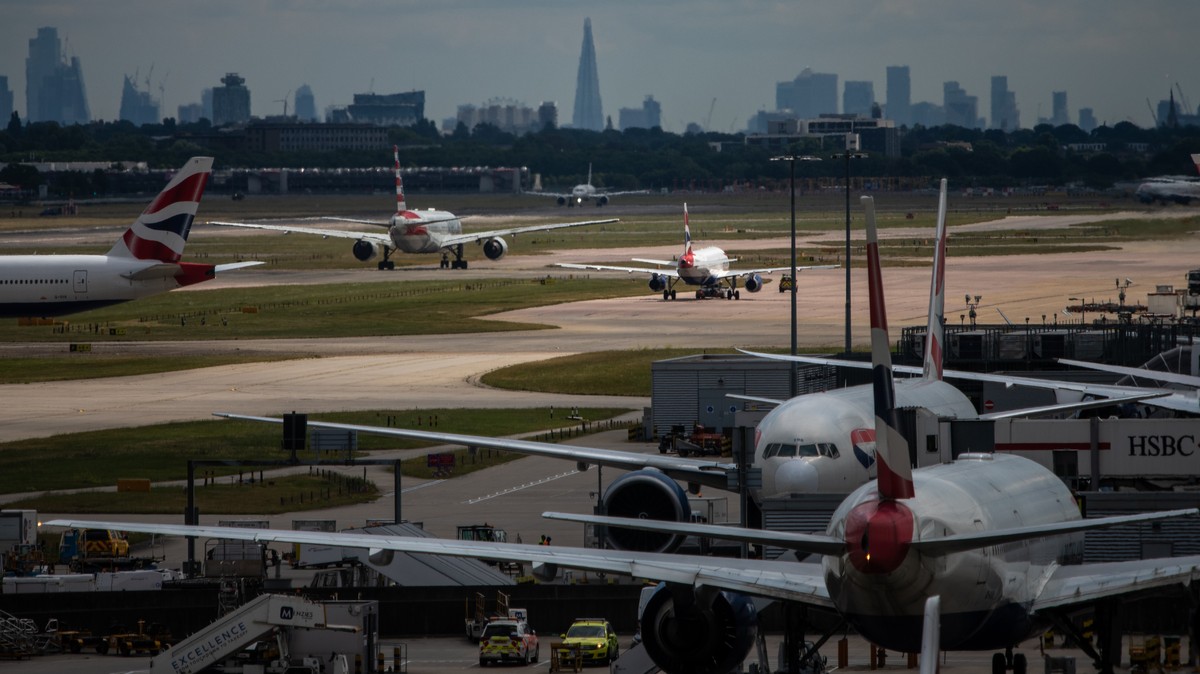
(146, 260)
(1179, 189)
(990, 544)
(415, 232)
(706, 268)
(585, 192)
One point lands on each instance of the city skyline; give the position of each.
(1109, 56)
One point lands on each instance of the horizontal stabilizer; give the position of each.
(164, 270)
(236, 265)
(755, 399)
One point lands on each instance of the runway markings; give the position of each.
(527, 485)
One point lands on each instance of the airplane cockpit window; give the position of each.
(808, 450)
(828, 449)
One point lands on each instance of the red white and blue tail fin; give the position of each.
(401, 204)
(161, 231)
(935, 332)
(1196, 161)
(687, 232)
(891, 449)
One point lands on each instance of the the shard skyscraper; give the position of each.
(588, 113)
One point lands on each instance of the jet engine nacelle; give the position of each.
(646, 494)
(562, 201)
(709, 632)
(658, 283)
(364, 250)
(753, 283)
(495, 248)
(601, 201)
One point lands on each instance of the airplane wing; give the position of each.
(476, 237)
(1085, 583)
(632, 270)
(550, 194)
(1137, 372)
(771, 270)
(667, 263)
(381, 238)
(794, 581)
(222, 268)
(701, 471)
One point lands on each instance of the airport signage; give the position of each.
(1162, 445)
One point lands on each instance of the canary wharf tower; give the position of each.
(587, 114)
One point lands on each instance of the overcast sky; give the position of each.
(1110, 55)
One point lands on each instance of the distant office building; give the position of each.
(137, 106)
(306, 105)
(231, 102)
(809, 95)
(1173, 115)
(54, 90)
(6, 101)
(646, 117)
(858, 98)
(763, 121)
(206, 98)
(507, 116)
(877, 136)
(960, 109)
(547, 114)
(1005, 115)
(899, 95)
(927, 114)
(1061, 115)
(1087, 120)
(403, 109)
(190, 113)
(297, 137)
(588, 113)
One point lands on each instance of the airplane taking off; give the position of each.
(146, 260)
(1179, 189)
(706, 268)
(987, 547)
(415, 232)
(585, 192)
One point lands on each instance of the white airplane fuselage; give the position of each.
(881, 583)
(836, 452)
(1165, 189)
(703, 267)
(56, 285)
(422, 231)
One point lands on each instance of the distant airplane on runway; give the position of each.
(1179, 189)
(415, 232)
(706, 268)
(586, 192)
(146, 260)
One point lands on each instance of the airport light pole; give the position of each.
(852, 146)
(791, 160)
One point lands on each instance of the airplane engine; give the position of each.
(364, 250)
(495, 248)
(658, 283)
(601, 201)
(647, 494)
(562, 201)
(380, 556)
(705, 633)
(753, 283)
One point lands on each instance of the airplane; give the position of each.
(415, 232)
(586, 192)
(145, 261)
(1178, 189)
(976, 554)
(706, 268)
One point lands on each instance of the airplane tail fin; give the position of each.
(687, 232)
(891, 449)
(589, 180)
(401, 204)
(935, 332)
(161, 231)
(1196, 161)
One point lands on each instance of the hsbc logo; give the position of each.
(1162, 445)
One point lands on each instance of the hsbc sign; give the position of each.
(1161, 445)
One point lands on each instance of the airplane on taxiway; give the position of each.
(146, 260)
(1177, 189)
(415, 232)
(585, 192)
(976, 554)
(705, 268)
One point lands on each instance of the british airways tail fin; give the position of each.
(891, 450)
(1196, 161)
(687, 232)
(401, 204)
(935, 332)
(161, 231)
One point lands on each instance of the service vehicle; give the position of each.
(595, 639)
(507, 640)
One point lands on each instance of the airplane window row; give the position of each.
(818, 449)
(25, 282)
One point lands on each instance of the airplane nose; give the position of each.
(796, 476)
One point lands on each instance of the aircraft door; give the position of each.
(80, 283)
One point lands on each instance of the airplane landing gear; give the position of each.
(458, 262)
(1002, 662)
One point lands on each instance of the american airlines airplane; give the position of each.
(415, 232)
(585, 192)
(977, 554)
(706, 268)
(146, 260)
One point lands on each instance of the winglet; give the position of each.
(401, 205)
(935, 332)
(891, 449)
(161, 231)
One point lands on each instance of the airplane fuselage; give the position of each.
(824, 442)
(423, 231)
(583, 192)
(881, 583)
(56, 285)
(705, 267)
(1181, 191)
